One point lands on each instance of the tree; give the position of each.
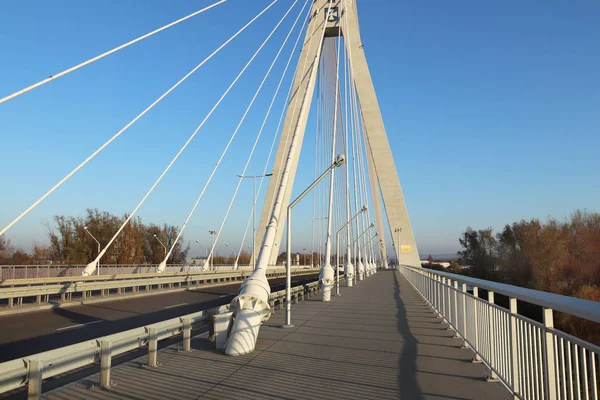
(136, 243)
(479, 252)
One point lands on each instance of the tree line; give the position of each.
(561, 257)
(72, 242)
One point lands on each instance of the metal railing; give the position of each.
(46, 290)
(532, 359)
(31, 370)
(62, 270)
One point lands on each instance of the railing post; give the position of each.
(152, 347)
(187, 335)
(456, 327)
(35, 377)
(443, 298)
(476, 359)
(493, 377)
(105, 364)
(514, 354)
(464, 313)
(550, 378)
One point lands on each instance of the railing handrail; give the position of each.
(586, 309)
(14, 373)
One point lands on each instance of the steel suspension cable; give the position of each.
(189, 140)
(276, 132)
(130, 123)
(107, 53)
(261, 127)
(224, 152)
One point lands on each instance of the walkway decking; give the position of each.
(379, 340)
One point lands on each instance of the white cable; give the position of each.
(192, 136)
(216, 167)
(275, 135)
(63, 180)
(263, 122)
(288, 136)
(91, 60)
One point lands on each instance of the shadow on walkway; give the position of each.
(407, 364)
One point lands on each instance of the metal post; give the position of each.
(549, 355)
(476, 359)
(35, 377)
(288, 271)
(152, 348)
(105, 364)
(187, 335)
(337, 263)
(456, 330)
(493, 377)
(464, 313)
(514, 356)
(254, 225)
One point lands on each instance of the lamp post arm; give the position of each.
(312, 185)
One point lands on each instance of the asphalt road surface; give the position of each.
(37, 331)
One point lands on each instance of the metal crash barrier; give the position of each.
(30, 371)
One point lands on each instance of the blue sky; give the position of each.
(491, 110)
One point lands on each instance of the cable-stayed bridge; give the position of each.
(370, 324)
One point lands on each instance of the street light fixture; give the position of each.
(161, 243)
(212, 249)
(205, 251)
(398, 247)
(232, 254)
(253, 177)
(339, 160)
(85, 228)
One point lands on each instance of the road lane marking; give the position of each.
(78, 325)
(175, 305)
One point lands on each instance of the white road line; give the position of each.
(175, 305)
(78, 325)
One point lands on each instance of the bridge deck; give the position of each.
(379, 340)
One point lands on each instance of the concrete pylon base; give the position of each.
(326, 292)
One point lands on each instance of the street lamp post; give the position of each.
(212, 245)
(337, 252)
(85, 228)
(398, 247)
(288, 270)
(254, 213)
(232, 254)
(161, 243)
(205, 251)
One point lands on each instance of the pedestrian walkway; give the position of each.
(379, 340)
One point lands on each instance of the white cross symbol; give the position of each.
(332, 14)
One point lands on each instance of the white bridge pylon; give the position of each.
(333, 24)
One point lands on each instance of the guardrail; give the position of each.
(532, 359)
(30, 371)
(58, 270)
(63, 289)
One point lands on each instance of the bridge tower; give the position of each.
(341, 18)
